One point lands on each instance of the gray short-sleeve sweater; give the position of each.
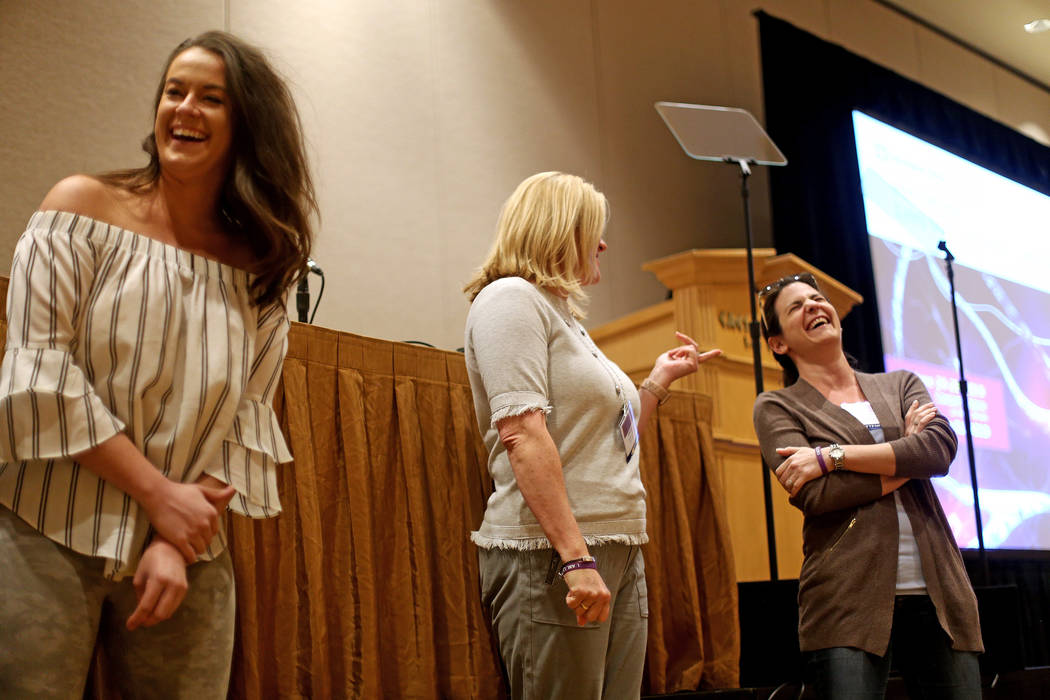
(524, 352)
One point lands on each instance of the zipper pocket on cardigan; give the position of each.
(838, 539)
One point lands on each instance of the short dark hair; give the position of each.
(767, 297)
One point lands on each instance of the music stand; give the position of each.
(732, 135)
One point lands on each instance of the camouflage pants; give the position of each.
(55, 605)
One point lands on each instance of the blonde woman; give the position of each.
(561, 568)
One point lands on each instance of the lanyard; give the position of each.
(625, 422)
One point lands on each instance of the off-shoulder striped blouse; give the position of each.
(110, 331)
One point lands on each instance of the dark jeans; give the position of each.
(924, 656)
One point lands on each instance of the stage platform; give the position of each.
(1025, 684)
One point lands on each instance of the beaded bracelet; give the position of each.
(661, 393)
(575, 564)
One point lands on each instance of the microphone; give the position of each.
(947, 254)
(302, 300)
(302, 293)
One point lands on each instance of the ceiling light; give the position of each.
(1037, 25)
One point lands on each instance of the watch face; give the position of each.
(837, 453)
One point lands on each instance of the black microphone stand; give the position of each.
(756, 355)
(948, 259)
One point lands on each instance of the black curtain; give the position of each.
(811, 88)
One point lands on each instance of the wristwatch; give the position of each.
(838, 456)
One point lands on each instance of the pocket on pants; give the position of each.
(643, 597)
(547, 600)
(637, 570)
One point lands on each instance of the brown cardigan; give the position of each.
(848, 579)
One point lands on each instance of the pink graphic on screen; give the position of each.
(987, 410)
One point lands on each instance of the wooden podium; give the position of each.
(710, 303)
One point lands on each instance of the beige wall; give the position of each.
(422, 115)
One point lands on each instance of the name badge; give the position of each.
(628, 430)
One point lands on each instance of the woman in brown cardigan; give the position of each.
(882, 576)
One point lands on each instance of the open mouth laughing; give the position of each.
(817, 322)
(189, 135)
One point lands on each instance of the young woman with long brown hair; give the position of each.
(146, 333)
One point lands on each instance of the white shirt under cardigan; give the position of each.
(525, 352)
(910, 580)
(110, 331)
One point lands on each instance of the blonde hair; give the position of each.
(548, 230)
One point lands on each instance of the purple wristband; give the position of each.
(573, 565)
(820, 461)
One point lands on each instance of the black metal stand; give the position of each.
(756, 355)
(732, 135)
(948, 259)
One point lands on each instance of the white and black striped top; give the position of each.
(110, 331)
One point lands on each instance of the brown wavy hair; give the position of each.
(268, 196)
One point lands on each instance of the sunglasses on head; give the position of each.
(772, 287)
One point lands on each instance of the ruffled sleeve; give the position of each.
(48, 407)
(254, 446)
